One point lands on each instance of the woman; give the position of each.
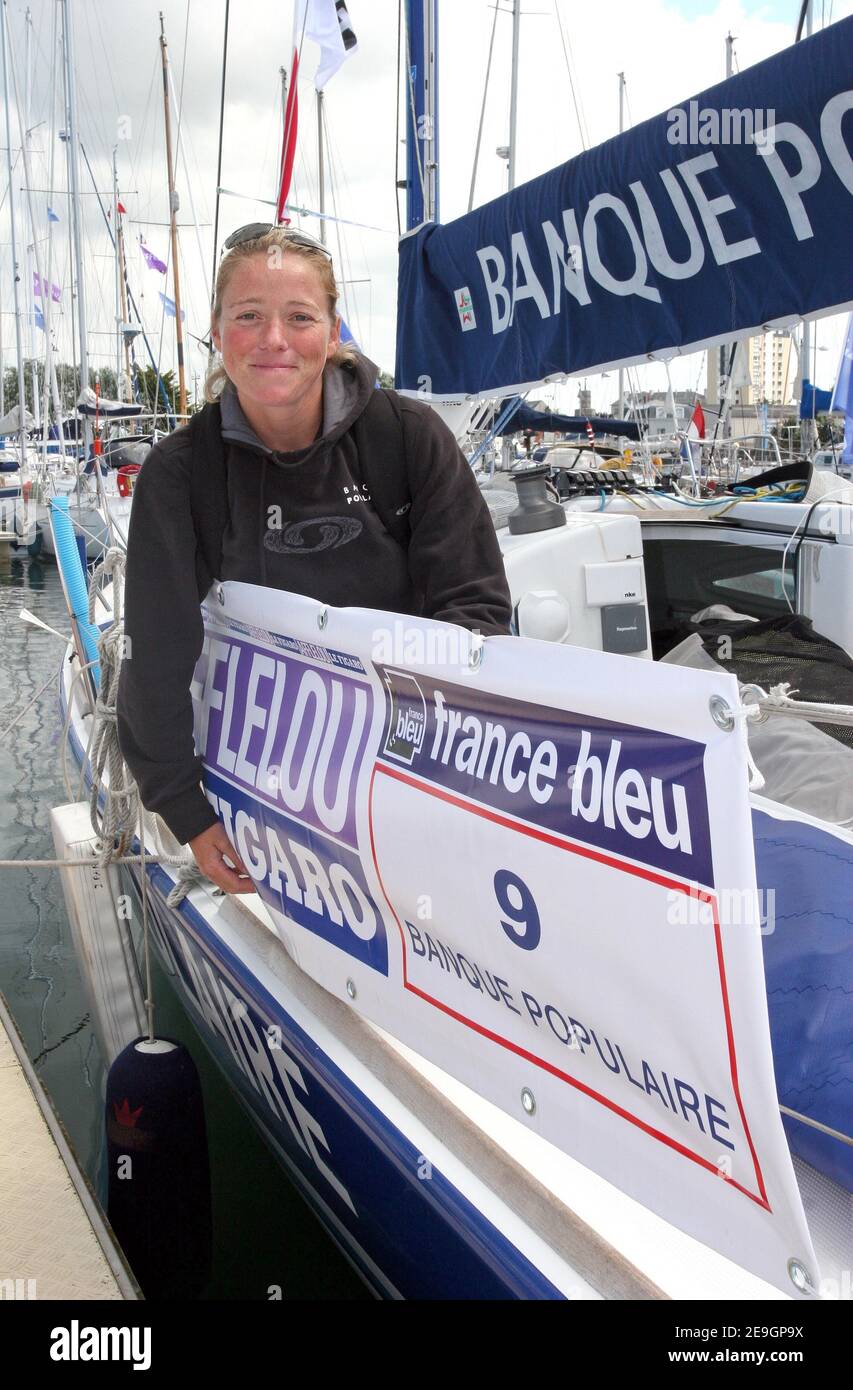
(293, 430)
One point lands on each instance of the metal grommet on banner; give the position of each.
(475, 653)
(528, 1101)
(322, 618)
(351, 989)
(725, 718)
(721, 713)
(751, 695)
(800, 1276)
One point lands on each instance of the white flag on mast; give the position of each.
(327, 23)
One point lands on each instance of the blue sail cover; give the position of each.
(527, 420)
(727, 214)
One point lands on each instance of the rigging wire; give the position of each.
(343, 276)
(96, 118)
(483, 108)
(219, 157)
(338, 178)
(567, 51)
(140, 145)
(272, 136)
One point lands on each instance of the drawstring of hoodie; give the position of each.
(262, 521)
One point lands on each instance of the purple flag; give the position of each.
(153, 262)
(55, 291)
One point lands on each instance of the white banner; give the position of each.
(536, 869)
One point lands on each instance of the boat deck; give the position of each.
(54, 1242)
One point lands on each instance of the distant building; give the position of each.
(771, 369)
(584, 402)
(764, 370)
(757, 419)
(652, 410)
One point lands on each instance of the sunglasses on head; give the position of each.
(253, 230)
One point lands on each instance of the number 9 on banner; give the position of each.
(516, 900)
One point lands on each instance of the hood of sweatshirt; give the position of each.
(346, 391)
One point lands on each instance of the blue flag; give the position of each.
(38, 317)
(169, 306)
(51, 215)
(842, 396)
(813, 401)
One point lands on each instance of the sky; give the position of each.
(668, 50)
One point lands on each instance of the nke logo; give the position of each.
(406, 717)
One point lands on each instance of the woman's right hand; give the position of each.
(210, 849)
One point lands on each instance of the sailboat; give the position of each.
(528, 941)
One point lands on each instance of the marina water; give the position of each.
(267, 1244)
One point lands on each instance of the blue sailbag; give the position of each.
(722, 216)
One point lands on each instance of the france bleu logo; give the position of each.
(407, 717)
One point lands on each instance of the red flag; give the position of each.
(697, 423)
(288, 144)
(121, 208)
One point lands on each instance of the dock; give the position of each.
(54, 1240)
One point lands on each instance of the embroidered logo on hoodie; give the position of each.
(313, 534)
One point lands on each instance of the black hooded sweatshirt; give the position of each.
(304, 522)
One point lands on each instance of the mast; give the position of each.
(74, 168)
(50, 381)
(43, 281)
(73, 135)
(118, 318)
(174, 204)
(321, 173)
(421, 112)
(121, 270)
(621, 411)
(16, 269)
(807, 429)
(720, 360)
(31, 302)
(513, 90)
(219, 167)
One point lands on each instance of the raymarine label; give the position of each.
(636, 793)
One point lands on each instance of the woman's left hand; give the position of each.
(210, 849)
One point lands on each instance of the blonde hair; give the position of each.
(277, 237)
